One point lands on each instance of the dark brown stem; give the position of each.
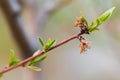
(41, 53)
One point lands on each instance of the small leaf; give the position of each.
(83, 18)
(48, 41)
(43, 57)
(94, 25)
(12, 60)
(1, 75)
(51, 44)
(41, 42)
(105, 16)
(34, 68)
(38, 59)
(47, 44)
(12, 55)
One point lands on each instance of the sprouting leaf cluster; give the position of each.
(96, 23)
(38, 59)
(31, 63)
(45, 46)
(83, 18)
(13, 61)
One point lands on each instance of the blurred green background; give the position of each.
(101, 62)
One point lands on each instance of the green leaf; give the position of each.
(94, 25)
(34, 68)
(83, 18)
(1, 75)
(52, 43)
(38, 59)
(48, 41)
(12, 60)
(49, 44)
(12, 55)
(105, 16)
(41, 42)
(43, 57)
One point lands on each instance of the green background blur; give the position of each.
(101, 62)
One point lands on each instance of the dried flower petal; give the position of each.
(78, 22)
(84, 45)
(81, 23)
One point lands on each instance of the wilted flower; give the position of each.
(84, 45)
(78, 22)
(81, 23)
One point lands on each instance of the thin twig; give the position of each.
(40, 53)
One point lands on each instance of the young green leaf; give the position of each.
(43, 57)
(34, 68)
(49, 44)
(41, 42)
(12, 55)
(105, 16)
(52, 43)
(94, 25)
(83, 18)
(13, 63)
(12, 60)
(1, 75)
(48, 41)
(38, 59)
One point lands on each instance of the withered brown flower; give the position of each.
(84, 45)
(78, 22)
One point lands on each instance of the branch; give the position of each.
(40, 53)
(84, 29)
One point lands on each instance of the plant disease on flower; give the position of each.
(40, 55)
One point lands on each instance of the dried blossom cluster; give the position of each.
(84, 45)
(79, 22)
